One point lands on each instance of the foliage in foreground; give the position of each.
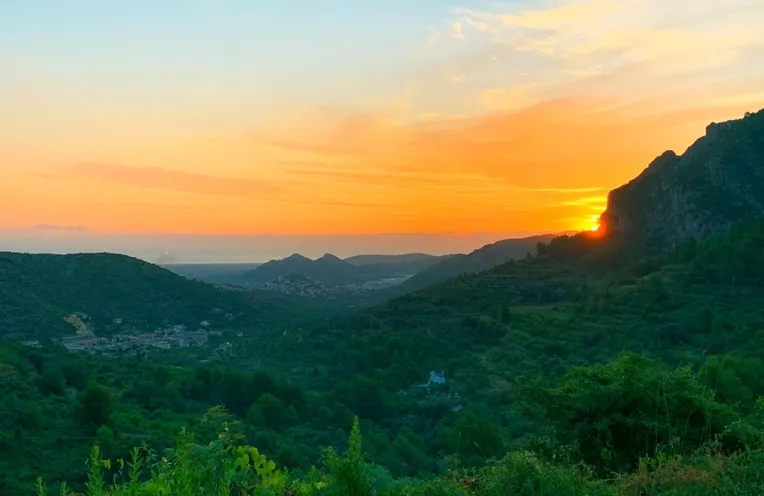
(633, 427)
(224, 467)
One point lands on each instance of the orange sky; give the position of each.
(499, 121)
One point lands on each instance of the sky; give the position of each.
(351, 119)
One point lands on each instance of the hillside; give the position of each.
(579, 304)
(37, 292)
(361, 260)
(212, 273)
(479, 260)
(718, 181)
(399, 269)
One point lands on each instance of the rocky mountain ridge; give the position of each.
(718, 181)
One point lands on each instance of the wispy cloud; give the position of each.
(561, 143)
(348, 204)
(510, 98)
(567, 190)
(588, 200)
(456, 77)
(56, 227)
(543, 164)
(457, 31)
(434, 35)
(424, 179)
(577, 31)
(167, 179)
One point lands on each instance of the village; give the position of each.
(133, 340)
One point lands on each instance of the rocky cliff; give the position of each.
(718, 181)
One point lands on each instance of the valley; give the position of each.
(359, 280)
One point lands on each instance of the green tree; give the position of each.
(51, 382)
(412, 450)
(269, 411)
(74, 373)
(630, 408)
(735, 380)
(475, 438)
(33, 417)
(106, 440)
(348, 473)
(94, 404)
(705, 320)
(506, 314)
(364, 397)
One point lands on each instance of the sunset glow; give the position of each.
(242, 117)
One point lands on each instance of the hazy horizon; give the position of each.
(200, 248)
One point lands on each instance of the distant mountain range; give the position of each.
(407, 272)
(328, 269)
(329, 274)
(718, 181)
(479, 260)
(333, 271)
(354, 270)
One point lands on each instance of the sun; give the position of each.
(594, 223)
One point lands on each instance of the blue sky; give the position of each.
(269, 41)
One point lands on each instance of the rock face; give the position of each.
(718, 181)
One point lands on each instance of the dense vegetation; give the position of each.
(659, 430)
(421, 259)
(37, 292)
(482, 259)
(586, 368)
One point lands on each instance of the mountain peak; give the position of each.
(296, 257)
(330, 257)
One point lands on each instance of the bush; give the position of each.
(618, 413)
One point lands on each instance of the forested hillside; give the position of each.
(483, 258)
(406, 258)
(213, 273)
(38, 292)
